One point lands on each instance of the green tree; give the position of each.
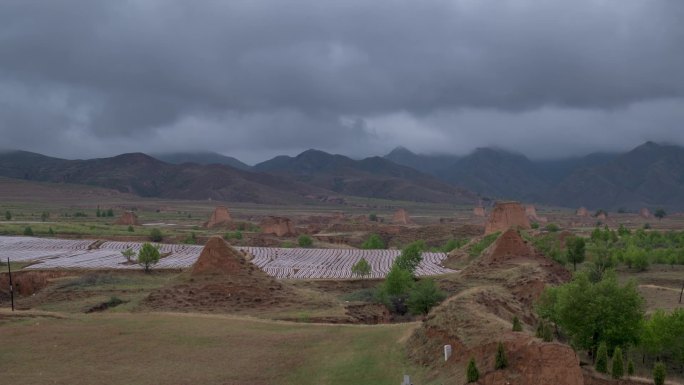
(517, 326)
(395, 289)
(44, 216)
(110, 212)
(659, 373)
(156, 235)
(630, 367)
(472, 374)
(575, 250)
(130, 229)
(304, 241)
(128, 254)
(28, 231)
(501, 360)
(601, 364)
(374, 242)
(50, 231)
(148, 256)
(618, 369)
(361, 268)
(411, 256)
(372, 217)
(660, 213)
(424, 295)
(8, 215)
(590, 312)
(98, 213)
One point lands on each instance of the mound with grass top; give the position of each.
(496, 287)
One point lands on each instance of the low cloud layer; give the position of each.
(253, 79)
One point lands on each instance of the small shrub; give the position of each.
(472, 374)
(374, 242)
(659, 373)
(128, 254)
(617, 369)
(305, 241)
(190, 239)
(361, 268)
(287, 245)
(372, 217)
(601, 364)
(8, 215)
(50, 231)
(630, 367)
(234, 235)
(110, 213)
(534, 225)
(647, 226)
(640, 262)
(517, 326)
(148, 256)
(28, 231)
(156, 235)
(552, 228)
(424, 295)
(130, 229)
(501, 360)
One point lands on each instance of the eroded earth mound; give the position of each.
(128, 218)
(504, 282)
(219, 217)
(507, 215)
(222, 280)
(278, 226)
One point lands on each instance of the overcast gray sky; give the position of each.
(257, 78)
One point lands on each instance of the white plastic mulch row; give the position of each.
(278, 262)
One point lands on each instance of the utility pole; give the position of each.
(681, 292)
(11, 288)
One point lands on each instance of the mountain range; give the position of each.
(651, 175)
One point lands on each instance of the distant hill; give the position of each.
(431, 164)
(651, 175)
(373, 177)
(204, 158)
(145, 176)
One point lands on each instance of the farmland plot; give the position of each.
(289, 263)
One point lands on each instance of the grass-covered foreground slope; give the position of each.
(162, 348)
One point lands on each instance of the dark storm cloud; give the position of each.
(254, 78)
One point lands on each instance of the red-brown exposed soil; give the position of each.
(27, 282)
(279, 226)
(128, 218)
(401, 217)
(219, 217)
(582, 212)
(479, 211)
(507, 215)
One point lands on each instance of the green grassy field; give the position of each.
(161, 348)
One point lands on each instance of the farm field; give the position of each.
(162, 348)
(289, 263)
